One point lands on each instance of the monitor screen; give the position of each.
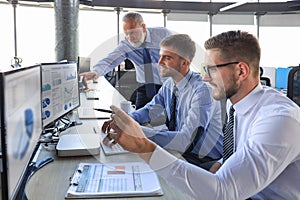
(84, 64)
(60, 91)
(21, 125)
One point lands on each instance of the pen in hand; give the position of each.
(103, 110)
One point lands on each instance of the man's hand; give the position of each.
(128, 133)
(215, 167)
(89, 75)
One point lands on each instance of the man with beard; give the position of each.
(141, 47)
(264, 162)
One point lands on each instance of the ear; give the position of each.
(144, 27)
(244, 70)
(185, 62)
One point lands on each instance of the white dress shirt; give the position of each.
(266, 162)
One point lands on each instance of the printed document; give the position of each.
(92, 180)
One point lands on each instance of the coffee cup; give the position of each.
(127, 106)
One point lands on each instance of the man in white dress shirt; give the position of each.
(265, 163)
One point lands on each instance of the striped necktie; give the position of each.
(172, 121)
(149, 81)
(228, 136)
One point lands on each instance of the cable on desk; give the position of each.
(50, 136)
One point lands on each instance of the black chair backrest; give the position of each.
(293, 89)
(264, 80)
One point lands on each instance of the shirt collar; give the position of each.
(148, 36)
(183, 82)
(249, 101)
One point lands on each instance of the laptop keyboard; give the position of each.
(109, 150)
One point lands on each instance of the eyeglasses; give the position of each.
(133, 32)
(209, 69)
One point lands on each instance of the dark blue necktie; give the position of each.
(228, 142)
(149, 85)
(172, 121)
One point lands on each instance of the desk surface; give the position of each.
(52, 181)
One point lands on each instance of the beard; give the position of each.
(139, 42)
(233, 88)
(225, 92)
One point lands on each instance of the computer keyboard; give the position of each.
(92, 95)
(113, 150)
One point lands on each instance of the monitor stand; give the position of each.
(32, 168)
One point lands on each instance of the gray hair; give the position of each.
(137, 17)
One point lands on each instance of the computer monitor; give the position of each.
(21, 125)
(60, 91)
(84, 64)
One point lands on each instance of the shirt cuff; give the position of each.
(149, 132)
(161, 158)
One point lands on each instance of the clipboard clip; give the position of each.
(76, 177)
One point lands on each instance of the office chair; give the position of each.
(264, 80)
(128, 64)
(293, 89)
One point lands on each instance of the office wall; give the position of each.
(280, 46)
(36, 33)
(6, 35)
(94, 29)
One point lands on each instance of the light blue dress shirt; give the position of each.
(125, 50)
(266, 162)
(195, 108)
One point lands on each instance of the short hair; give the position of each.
(137, 17)
(182, 44)
(237, 46)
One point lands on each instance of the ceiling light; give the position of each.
(231, 6)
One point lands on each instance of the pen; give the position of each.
(103, 110)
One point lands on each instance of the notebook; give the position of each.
(96, 180)
(90, 113)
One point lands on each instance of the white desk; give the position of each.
(52, 181)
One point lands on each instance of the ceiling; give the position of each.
(205, 7)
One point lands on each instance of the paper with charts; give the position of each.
(92, 180)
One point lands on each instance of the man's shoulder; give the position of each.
(157, 28)
(196, 77)
(160, 30)
(167, 82)
(272, 101)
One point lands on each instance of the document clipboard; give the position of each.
(96, 180)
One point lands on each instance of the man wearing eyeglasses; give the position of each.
(265, 158)
(138, 38)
